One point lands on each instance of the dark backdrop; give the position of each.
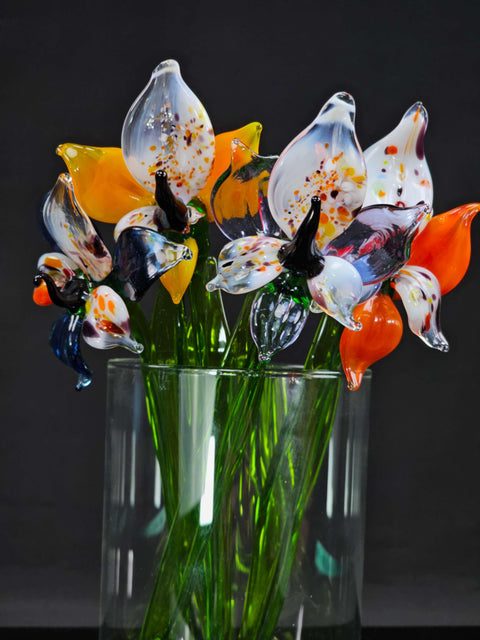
(70, 73)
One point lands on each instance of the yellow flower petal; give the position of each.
(249, 135)
(177, 279)
(103, 186)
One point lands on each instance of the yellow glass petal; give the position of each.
(104, 188)
(249, 135)
(177, 279)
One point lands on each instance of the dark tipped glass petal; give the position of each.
(141, 257)
(377, 242)
(65, 344)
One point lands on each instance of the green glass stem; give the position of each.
(241, 352)
(188, 541)
(324, 351)
(279, 514)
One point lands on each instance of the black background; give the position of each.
(70, 73)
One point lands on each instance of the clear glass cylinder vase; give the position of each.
(234, 504)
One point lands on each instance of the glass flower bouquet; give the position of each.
(320, 229)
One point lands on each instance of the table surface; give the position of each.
(368, 633)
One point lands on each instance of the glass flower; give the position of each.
(339, 251)
(75, 277)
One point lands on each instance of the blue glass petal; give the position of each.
(377, 242)
(65, 344)
(141, 257)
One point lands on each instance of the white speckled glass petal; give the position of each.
(144, 217)
(337, 290)
(247, 264)
(168, 128)
(397, 169)
(420, 292)
(324, 160)
(107, 323)
(73, 232)
(57, 266)
(377, 240)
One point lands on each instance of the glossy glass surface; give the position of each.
(72, 231)
(380, 333)
(397, 169)
(249, 135)
(168, 128)
(444, 246)
(239, 197)
(324, 160)
(104, 188)
(249, 523)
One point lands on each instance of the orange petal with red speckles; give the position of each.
(177, 279)
(249, 135)
(443, 246)
(380, 334)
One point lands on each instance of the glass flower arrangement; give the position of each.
(322, 228)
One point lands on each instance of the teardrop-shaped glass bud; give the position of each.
(104, 188)
(279, 313)
(107, 323)
(239, 197)
(397, 169)
(168, 128)
(65, 344)
(380, 333)
(324, 160)
(73, 232)
(249, 135)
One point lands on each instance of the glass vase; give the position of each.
(234, 504)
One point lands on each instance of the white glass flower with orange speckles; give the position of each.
(341, 251)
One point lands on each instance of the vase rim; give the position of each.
(273, 371)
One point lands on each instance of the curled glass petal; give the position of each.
(65, 344)
(168, 128)
(279, 313)
(104, 188)
(444, 246)
(141, 257)
(420, 293)
(249, 135)
(57, 266)
(337, 290)
(73, 232)
(380, 334)
(324, 160)
(145, 217)
(377, 241)
(239, 197)
(107, 323)
(397, 170)
(177, 279)
(247, 264)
